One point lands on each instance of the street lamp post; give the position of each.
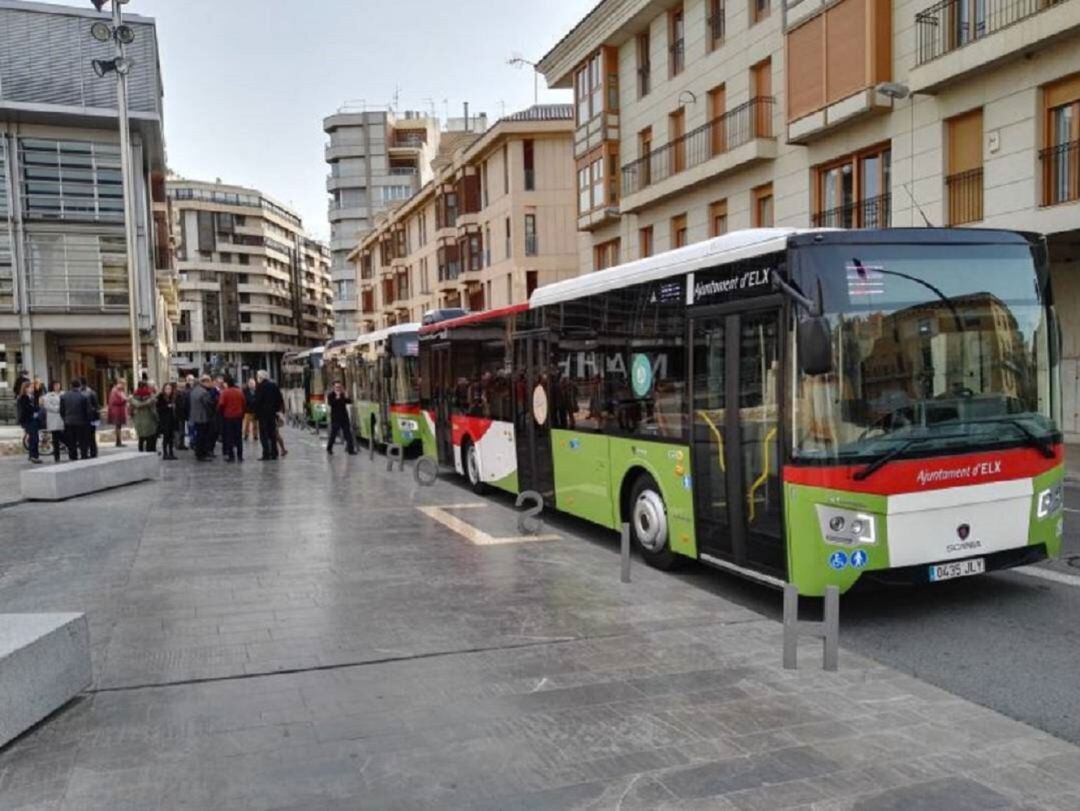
(122, 35)
(520, 62)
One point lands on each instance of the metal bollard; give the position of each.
(395, 451)
(828, 629)
(371, 448)
(624, 542)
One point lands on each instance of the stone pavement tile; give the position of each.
(793, 794)
(952, 793)
(752, 771)
(1022, 782)
(1065, 766)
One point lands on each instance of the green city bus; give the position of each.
(381, 378)
(803, 406)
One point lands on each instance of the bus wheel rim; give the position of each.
(650, 521)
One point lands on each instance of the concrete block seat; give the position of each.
(44, 663)
(56, 482)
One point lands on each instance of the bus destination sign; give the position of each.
(731, 284)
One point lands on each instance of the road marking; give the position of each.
(1047, 574)
(1070, 510)
(475, 536)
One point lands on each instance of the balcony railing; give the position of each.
(403, 171)
(750, 120)
(1061, 173)
(951, 24)
(965, 196)
(408, 140)
(874, 212)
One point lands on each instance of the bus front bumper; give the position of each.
(995, 561)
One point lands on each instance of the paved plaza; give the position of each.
(301, 634)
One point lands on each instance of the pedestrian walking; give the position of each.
(231, 406)
(143, 407)
(215, 415)
(268, 405)
(338, 403)
(251, 424)
(183, 407)
(166, 417)
(54, 423)
(117, 409)
(199, 405)
(95, 416)
(27, 412)
(75, 409)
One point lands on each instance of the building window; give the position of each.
(484, 184)
(1061, 155)
(717, 129)
(762, 206)
(644, 64)
(759, 10)
(606, 254)
(715, 22)
(761, 85)
(72, 180)
(645, 241)
(964, 181)
(507, 253)
(854, 191)
(676, 131)
(509, 288)
(531, 246)
(678, 231)
(584, 189)
(597, 171)
(676, 42)
(506, 168)
(487, 244)
(718, 218)
(528, 160)
(531, 277)
(588, 89)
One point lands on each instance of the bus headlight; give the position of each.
(1051, 500)
(846, 527)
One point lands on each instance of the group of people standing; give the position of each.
(196, 412)
(71, 417)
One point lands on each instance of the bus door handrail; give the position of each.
(719, 437)
(760, 480)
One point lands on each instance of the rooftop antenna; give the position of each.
(446, 109)
(397, 98)
(431, 105)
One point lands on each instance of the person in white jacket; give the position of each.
(54, 423)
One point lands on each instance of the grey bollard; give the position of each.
(624, 544)
(828, 629)
(371, 448)
(528, 523)
(394, 451)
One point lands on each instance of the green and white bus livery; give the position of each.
(804, 406)
(381, 376)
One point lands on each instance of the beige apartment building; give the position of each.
(696, 117)
(497, 221)
(253, 286)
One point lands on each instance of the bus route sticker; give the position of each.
(838, 560)
(859, 558)
(641, 374)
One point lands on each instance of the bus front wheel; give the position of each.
(649, 523)
(472, 468)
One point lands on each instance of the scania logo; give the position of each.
(963, 531)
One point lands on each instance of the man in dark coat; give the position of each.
(268, 404)
(338, 403)
(199, 404)
(95, 418)
(75, 411)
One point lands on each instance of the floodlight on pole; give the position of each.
(520, 62)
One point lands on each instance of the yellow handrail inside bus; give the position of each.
(719, 438)
(760, 480)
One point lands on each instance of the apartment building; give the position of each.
(695, 117)
(253, 286)
(376, 159)
(497, 221)
(64, 304)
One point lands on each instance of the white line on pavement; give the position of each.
(1071, 510)
(1047, 574)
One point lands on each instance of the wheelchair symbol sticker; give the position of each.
(838, 560)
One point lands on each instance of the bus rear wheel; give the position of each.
(649, 523)
(472, 468)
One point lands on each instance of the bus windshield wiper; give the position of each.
(885, 458)
(1033, 439)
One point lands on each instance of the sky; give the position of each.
(248, 82)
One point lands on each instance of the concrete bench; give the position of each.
(44, 663)
(55, 482)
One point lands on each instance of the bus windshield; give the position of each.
(935, 349)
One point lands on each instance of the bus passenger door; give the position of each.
(532, 415)
(442, 392)
(737, 492)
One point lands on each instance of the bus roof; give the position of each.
(385, 332)
(469, 318)
(730, 247)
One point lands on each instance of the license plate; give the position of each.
(959, 568)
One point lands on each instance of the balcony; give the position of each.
(872, 213)
(403, 171)
(1060, 173)
(736, 139)
(955, 38)
(353, 180)
(964, 194)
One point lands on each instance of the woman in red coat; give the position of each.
(118, 403)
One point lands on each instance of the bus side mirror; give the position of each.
(815, 346)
